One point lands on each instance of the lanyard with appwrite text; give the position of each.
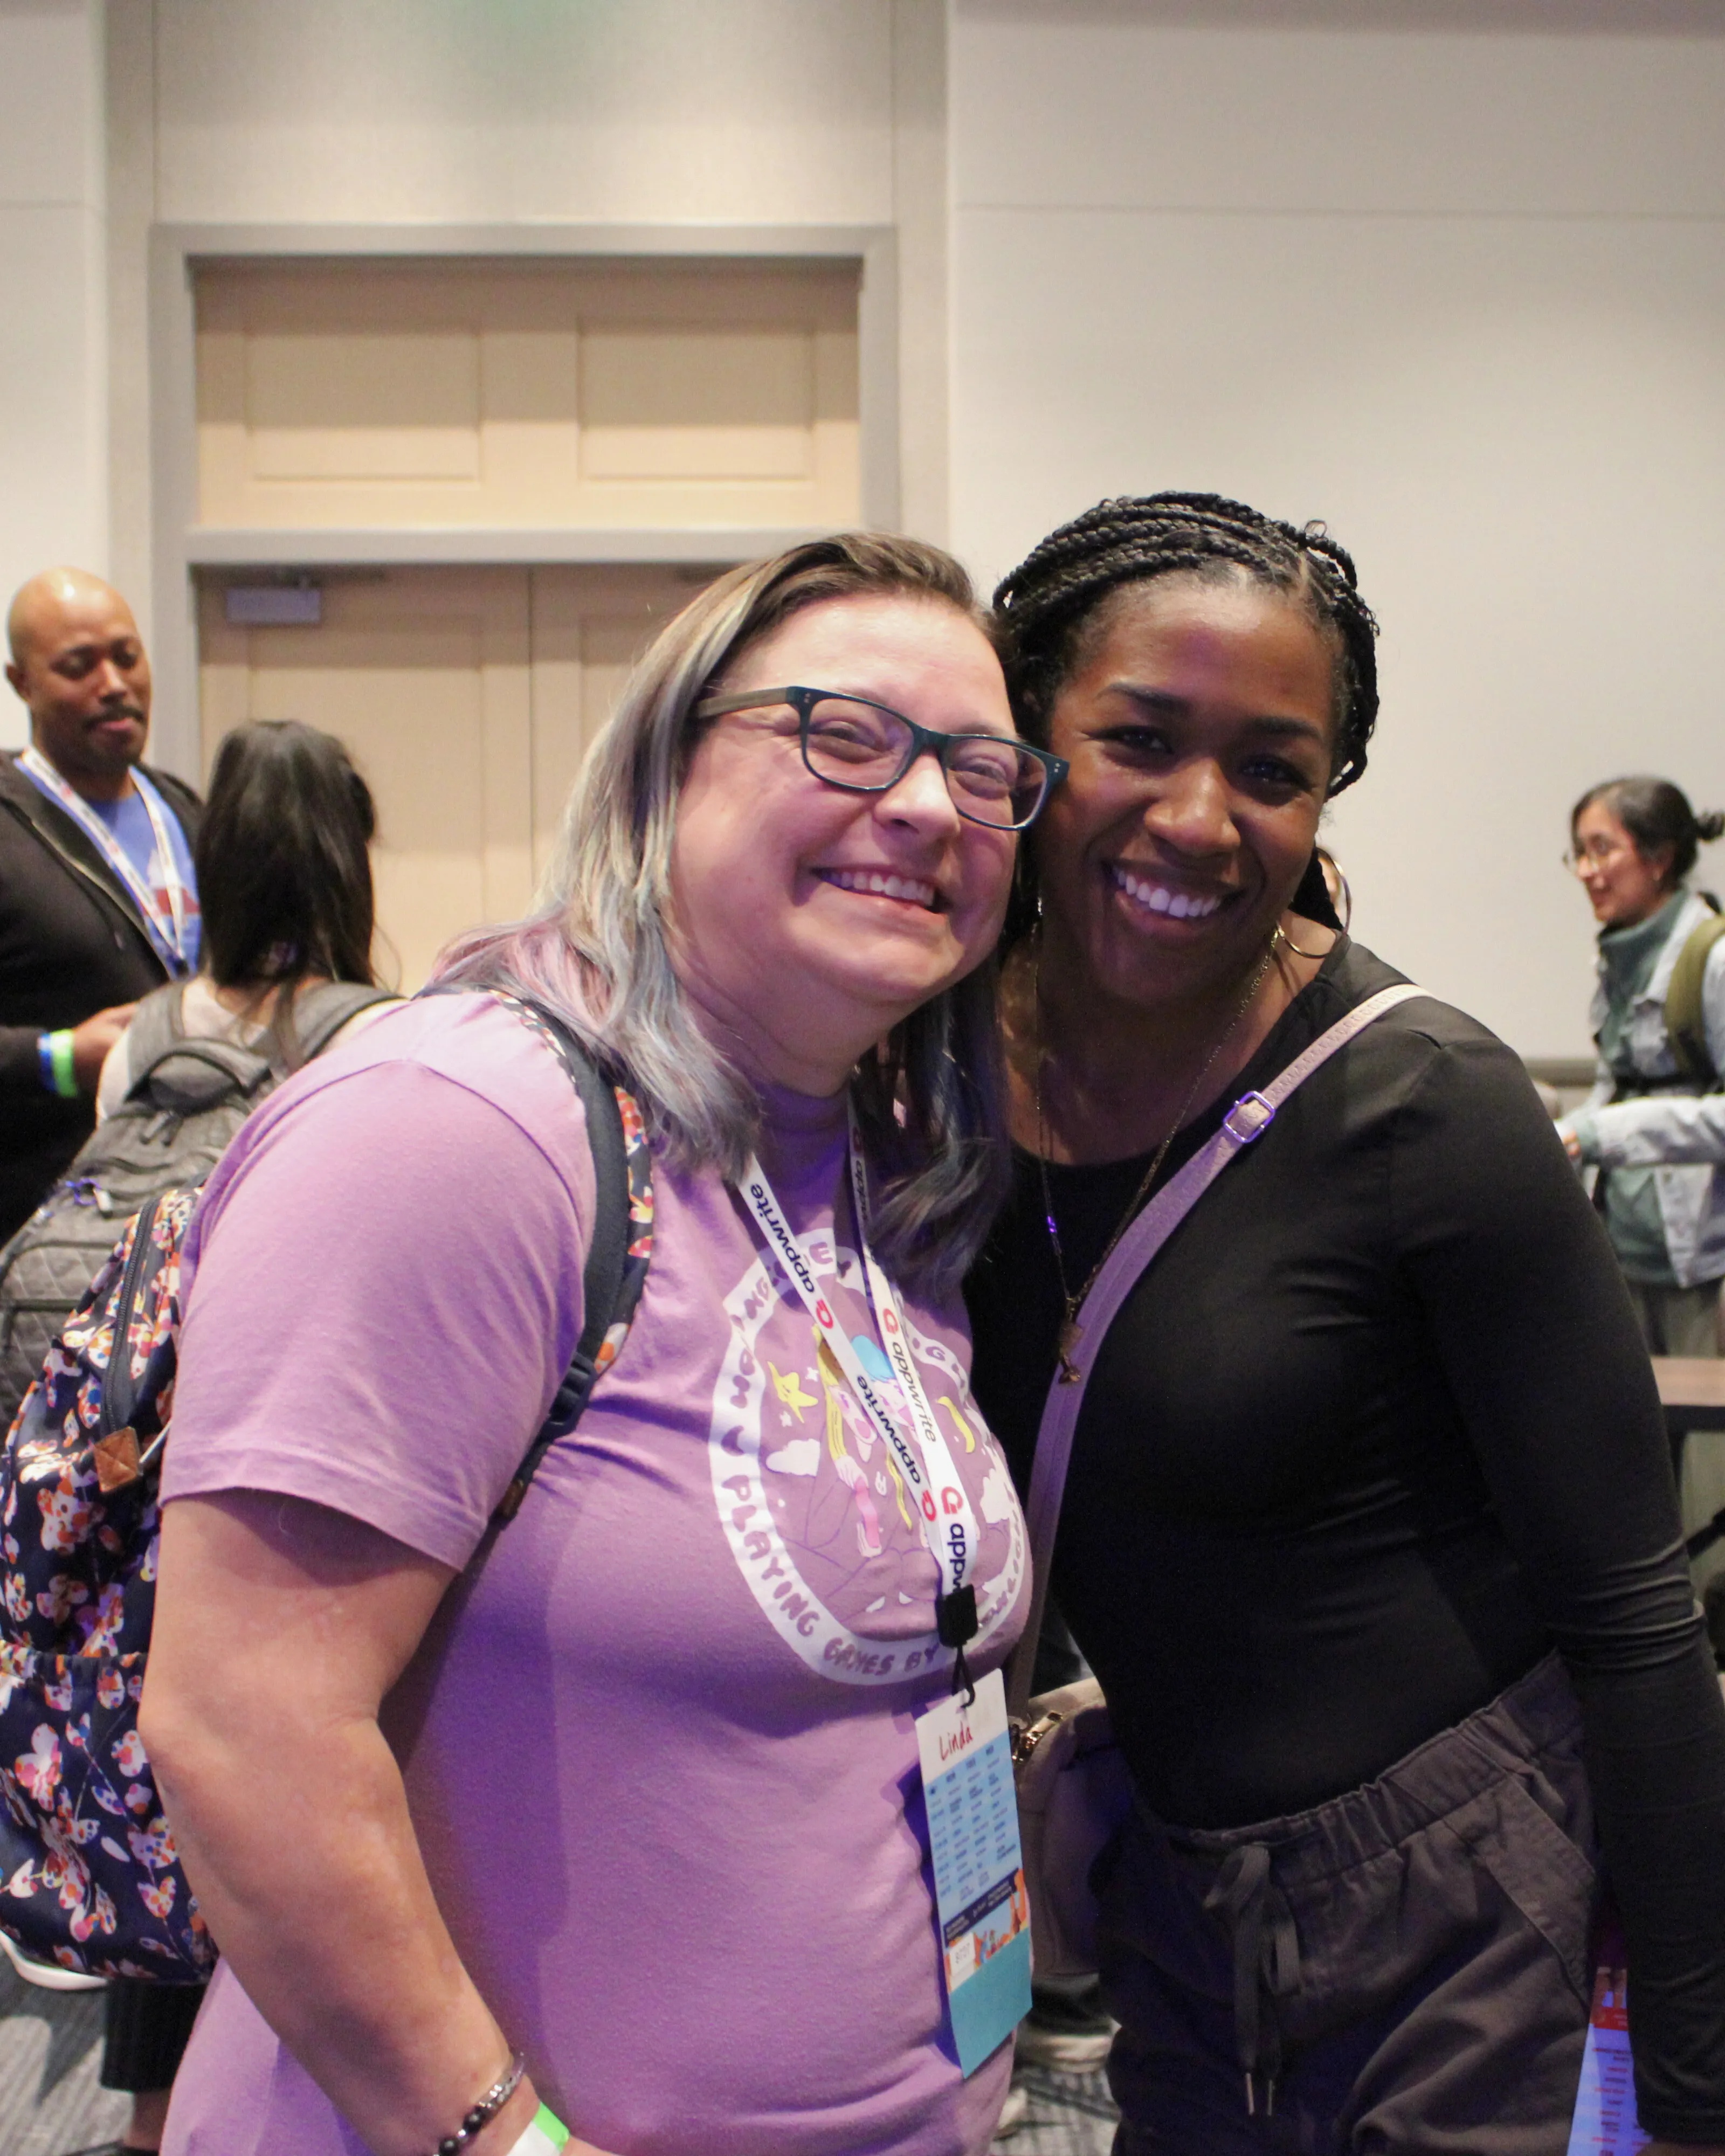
(948, 1522)
(166, 924)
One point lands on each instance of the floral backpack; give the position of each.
(89, 1877)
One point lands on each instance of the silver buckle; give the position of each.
(1255, 1115)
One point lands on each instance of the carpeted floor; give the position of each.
(50, 2048)
(1070, 2115)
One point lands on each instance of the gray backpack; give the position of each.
(187, 1098)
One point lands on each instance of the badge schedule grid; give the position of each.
(978, 1876)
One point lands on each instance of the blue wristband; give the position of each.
(54, 1055)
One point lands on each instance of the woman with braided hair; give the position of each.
(1368, 1529)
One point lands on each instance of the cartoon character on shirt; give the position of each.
(813, 1501)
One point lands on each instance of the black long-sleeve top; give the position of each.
(1374, 1431)
(71, 942)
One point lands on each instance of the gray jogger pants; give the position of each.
(1404, 1970)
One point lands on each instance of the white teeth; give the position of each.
(1179, 905)
(879, 885)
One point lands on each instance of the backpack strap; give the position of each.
(121, 1390)
(602, 1281)
(610, 1283)
(158, 1037)
(187, 1075)
(1245, 1122)
(154, 1031)
(1685, 1016)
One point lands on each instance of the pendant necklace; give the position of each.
(1071, 1330)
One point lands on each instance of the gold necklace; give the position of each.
(1071, 1331)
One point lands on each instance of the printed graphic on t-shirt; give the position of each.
(815, 1509)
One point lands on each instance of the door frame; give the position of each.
(180, 546)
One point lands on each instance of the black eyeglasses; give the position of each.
(866, 747)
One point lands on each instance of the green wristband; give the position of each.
(59, 1058)
(544, 2137)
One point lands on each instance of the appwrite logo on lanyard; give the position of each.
(948, 1523)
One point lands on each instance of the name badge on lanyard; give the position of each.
(962, 1743)
(980, 1896)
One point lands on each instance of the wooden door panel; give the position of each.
(527, 392)
(424, 675)
(468, 698)
(589, 626)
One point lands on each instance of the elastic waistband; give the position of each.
(1537, 1715)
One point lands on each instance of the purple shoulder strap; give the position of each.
(1248, 1119)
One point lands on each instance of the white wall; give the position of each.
(606, 111)
(53, 356)
(1460, 291)
(617, 110)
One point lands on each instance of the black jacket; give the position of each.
(71, 942)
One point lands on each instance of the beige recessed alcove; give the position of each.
(597, 392)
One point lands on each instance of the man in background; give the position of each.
(98, 902)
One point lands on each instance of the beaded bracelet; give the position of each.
(485, 2110)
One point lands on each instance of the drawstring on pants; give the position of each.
(1266, 1963)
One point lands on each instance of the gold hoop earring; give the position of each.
(1346, 906)
(1287, 942)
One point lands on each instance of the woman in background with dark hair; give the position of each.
(1633, 844)
(285, 877)
(1369, 1528)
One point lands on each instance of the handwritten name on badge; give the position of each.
(960, 1740)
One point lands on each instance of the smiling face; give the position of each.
(1624, 886)
(78, 664)
(807, 922)
(1199, 722)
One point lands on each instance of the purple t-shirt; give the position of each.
(659, 1745)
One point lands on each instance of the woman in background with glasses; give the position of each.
(1633, 844)
(625, 1825)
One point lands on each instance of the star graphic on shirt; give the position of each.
(789, 1389)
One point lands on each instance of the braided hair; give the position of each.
(1044, 607)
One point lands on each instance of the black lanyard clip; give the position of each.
(956, 1622)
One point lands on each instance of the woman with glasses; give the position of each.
(1633, 844)
(1368, 1529)
(610, 1815)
